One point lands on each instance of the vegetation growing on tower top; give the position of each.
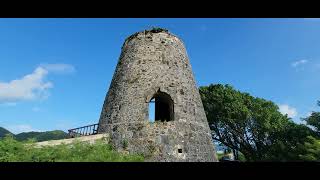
(158, 29)
(153, 30)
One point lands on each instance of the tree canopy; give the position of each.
(252, 125)
(314, 120)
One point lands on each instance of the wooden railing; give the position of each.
(83, 131)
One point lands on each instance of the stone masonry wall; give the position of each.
(151, 62)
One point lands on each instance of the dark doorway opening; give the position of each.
(161, 107)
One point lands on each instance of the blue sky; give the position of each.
(55, 73)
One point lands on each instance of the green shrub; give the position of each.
(220, 155)
(125, 143)
(15, 151)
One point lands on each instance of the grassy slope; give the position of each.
(12, 150)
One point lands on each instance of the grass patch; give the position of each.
(12, 150)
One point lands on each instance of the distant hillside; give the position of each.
(3, 132)
(41, 136)
(38, 136)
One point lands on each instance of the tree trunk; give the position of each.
(235, 154)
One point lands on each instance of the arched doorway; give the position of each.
(161, 107)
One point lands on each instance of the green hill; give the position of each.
(38, 136)
(41, 136)
(3, 132)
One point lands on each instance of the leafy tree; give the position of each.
(311, 149)
(289, 144)
(251, 125)
(314, 120)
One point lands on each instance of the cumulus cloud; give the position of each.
(59, 68)
(21, 128)
(8, 104)
(299, 63)
(29, 87)
(203, 28)
(286, 109)
(35, 109)
(312, 19)
(309, 114)
(64, 125)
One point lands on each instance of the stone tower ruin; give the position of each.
(154, 68)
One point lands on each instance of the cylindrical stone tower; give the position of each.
(154, 68)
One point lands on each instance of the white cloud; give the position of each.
(35, 109)
(312, 19)
(8, 104)
(64, 126)
(286, 109)
(59, 68)
(21, 128)
(299, 63)
(203, 28)
(309, 114)
(31, 86)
